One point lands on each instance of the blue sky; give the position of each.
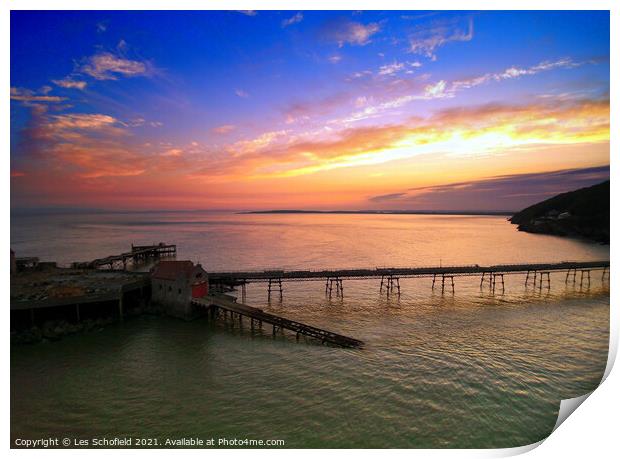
(336, 105)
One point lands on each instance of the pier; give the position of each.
(42, 291)
(53, 294)
(536, 275)
(224, 306)
(139, 253)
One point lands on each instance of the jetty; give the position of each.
(536, 274)
(225, 306)
(138, 253)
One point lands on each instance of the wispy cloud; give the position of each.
(390, 69)
(436, 90)
(108, 66)
(293, 20)
(81, 145)
(224, 129)
(430, 91)
(334, 59)
(304, 110)
(101, 26)
(81, 121)
(68, 83)
(386, 197)
(466, 131)
(505, 192)
(514, 72)
(247, 12)
(350, 32)
(396, 67)
(447, 89)
(27, 96)
(426, 40)
(139, 122)
(241, 93)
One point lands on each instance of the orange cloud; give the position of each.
(96, 150)
(485, 128)
(26, 95)
(107, 66)
(224, 129)
(68, 83)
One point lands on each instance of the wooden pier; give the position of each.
(219, 305)
(536, 275)
(139, 253)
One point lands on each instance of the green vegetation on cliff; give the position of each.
(580, 213)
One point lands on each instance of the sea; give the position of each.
(471, 368)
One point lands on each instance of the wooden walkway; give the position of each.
(536, 274)
(218, 304)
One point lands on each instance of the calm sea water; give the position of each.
(473, 369)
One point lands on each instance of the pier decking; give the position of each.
(218, 304)
(536, 273)
(36, 294)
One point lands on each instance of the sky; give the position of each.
(327, 110)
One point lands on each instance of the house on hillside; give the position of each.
(175, 283)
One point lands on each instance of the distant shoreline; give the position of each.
(71, 211)
(381, 212)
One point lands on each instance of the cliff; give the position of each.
(581, 213)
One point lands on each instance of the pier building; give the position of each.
(175, 283)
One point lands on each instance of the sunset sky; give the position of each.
(306, 109)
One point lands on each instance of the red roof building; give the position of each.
(175, 283)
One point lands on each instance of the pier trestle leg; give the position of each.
(443, 282)
(392, 284)
(329, 287)
(274, 284)
(494, 281)
(584, 271)
(545, 275)
(533, 280)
